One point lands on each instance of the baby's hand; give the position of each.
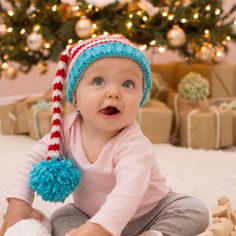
(88, 229)
(16, 211)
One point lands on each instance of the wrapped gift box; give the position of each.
(21, 117)
(167, 72)
(222, 77)
(160, 88)
(177, 103)
(227, 103)
(21, 108)
(201, 130)
(13, 116)
(45, 121)
(39, 118)
(223, 81)
(155, 120)
(7, 119)
(33, 125)
(172, 73)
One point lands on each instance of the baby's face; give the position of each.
(109, 93)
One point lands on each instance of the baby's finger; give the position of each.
(36, 215)
(3, 228)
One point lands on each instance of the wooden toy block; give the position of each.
(223, 228)
(222, 211)
(233, 216)
(223, 200)
(216, 220)
(219, 227)
(223, 221)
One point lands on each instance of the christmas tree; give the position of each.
(35, 31)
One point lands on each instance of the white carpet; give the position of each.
(207, 175)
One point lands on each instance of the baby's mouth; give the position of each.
(109, 111)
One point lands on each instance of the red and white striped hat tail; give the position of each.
(58, 84)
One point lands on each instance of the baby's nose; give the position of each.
(114, 94)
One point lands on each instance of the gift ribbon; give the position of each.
(12, 118)
(189, 125)
(231, 105)
(36, 109)
(176, 113)
(217, 113)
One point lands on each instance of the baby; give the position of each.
(100, 155)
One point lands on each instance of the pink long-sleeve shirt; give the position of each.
(123, 184)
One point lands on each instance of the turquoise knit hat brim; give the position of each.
(111, 49)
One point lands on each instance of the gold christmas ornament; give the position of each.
(10, 72)
(35, 41)
(176, 36)
(42, 67)
(65, 11)
(206, 53)
(84, 27)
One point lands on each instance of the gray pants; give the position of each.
(175, 215)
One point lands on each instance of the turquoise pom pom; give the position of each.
(54, 180)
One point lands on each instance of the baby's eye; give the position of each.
(128, 84)
(98, 81)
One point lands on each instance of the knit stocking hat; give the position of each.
(56, 177)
